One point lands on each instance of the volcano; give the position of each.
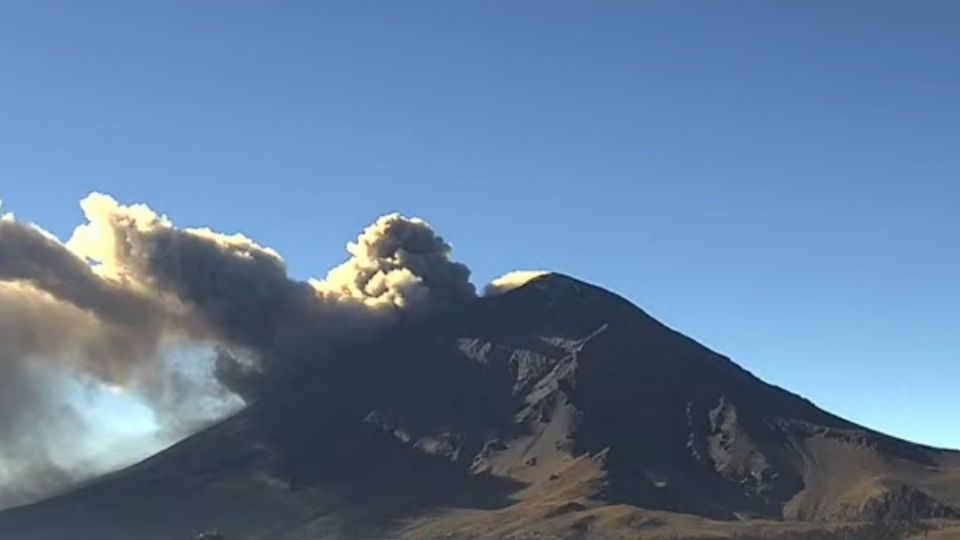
(554, 410)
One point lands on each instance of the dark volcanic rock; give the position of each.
(904, 503)
(558, 396)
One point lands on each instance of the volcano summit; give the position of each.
(554, 409)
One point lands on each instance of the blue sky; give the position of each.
(780, 180)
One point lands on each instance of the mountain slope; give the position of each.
(557, 409)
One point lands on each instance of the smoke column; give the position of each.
(107, 306)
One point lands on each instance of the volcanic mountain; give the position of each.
(554, 410)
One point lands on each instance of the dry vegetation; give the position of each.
(873, 531)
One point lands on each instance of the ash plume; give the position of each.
(510, 281)
(107, 305)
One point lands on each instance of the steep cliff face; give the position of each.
(555, 407)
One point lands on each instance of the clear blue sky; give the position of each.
(780, 180)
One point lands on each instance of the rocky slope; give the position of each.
(557, 409)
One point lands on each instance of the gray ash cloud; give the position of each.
(129, 285)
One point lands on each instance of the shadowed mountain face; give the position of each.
(556, 409)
